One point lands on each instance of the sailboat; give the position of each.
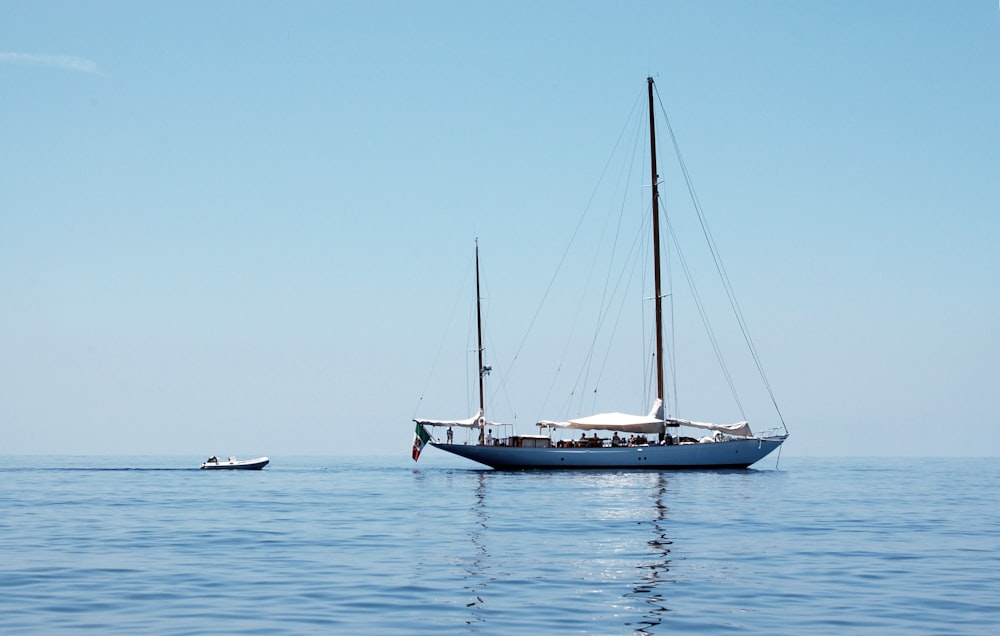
(653, 442)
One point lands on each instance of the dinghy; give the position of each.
(213, 463)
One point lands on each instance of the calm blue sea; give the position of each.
(330, 545)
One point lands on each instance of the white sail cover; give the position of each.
(472, 422)
(652, 423)
(739, 429)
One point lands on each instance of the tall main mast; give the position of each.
(657, 297)
(479, 333)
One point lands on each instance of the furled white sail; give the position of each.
(472, 422)
(739, 429)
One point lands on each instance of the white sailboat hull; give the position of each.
(727, 454)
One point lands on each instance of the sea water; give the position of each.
(347, 545)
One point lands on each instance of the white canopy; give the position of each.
(472, 422)
(652, 423)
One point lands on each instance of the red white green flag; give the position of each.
(419, 439)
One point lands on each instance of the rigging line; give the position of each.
(583, 373)
(471, 395)
(437, 356)
(668, 343)
(648, 341)
(500, 387)
(606, 311)
(624, 177)
(569, 337)
(605, 304)
(671, 343)
(573, 236)
(704, 317)
(568, 345)
(649, 347)
(720, 266)
(585, 370)
(712, 249)
(562, 359)
(567, 405)
(649, 371)
(577, 315)
(633, 260)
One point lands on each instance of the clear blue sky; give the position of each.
(236, 227)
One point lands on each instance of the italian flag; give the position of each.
(419, 439)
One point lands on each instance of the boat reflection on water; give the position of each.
(654, 573)
(605, 565)
(476, 578)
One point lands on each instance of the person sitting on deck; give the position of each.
(615, 440)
